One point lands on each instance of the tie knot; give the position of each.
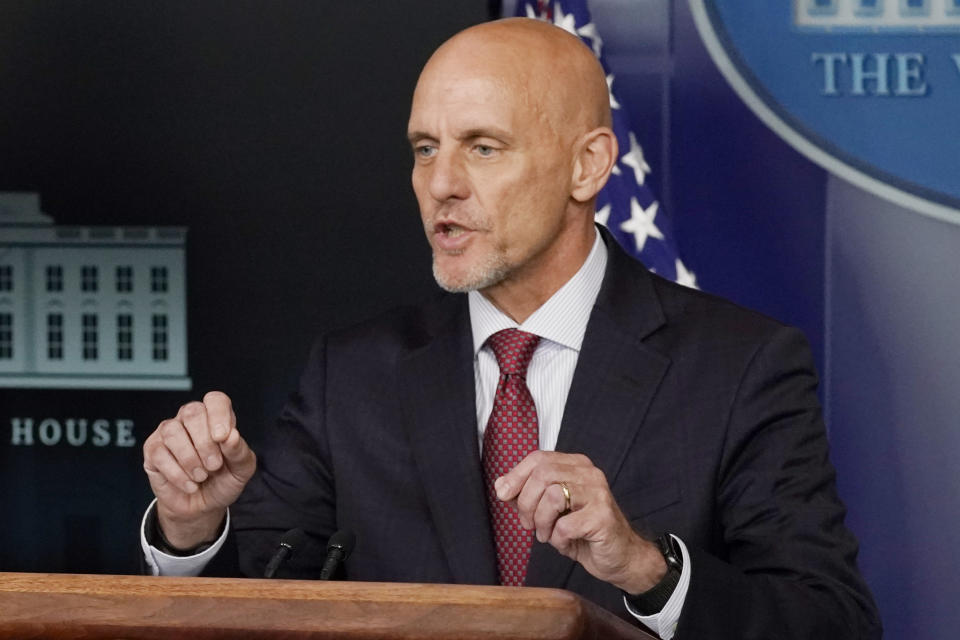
(513, 349)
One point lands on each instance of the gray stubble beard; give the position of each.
(485, 274)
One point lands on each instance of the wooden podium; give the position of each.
(35, 605)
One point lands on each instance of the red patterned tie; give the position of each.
(512, 433)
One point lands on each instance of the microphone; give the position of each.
(338, 549)
(289, 542)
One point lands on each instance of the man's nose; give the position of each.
(448, 177)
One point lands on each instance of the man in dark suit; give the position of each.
(678, 470)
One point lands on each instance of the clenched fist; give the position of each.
(197, 464)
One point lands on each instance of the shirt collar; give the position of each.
(561, 319)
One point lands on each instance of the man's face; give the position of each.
(491, 174)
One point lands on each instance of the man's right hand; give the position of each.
(197, 464)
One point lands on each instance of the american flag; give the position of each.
(627, 206)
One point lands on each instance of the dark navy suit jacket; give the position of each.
(702, 415)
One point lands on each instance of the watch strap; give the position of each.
(156, 539)
(655, 599)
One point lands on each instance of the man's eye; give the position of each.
(484, 150)
(425, 150)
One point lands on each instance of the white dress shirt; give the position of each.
(561, 323)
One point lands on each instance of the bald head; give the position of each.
(551, 70)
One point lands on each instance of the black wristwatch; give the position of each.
(156, 539)
(654, 599)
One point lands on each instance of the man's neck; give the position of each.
(562, 319)
(521, 294)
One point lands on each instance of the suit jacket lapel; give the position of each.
(437, 379)
(614, 382)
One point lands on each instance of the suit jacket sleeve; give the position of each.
(788, 566)
(292, 487)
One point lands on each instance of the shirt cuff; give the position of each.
(664, 624)
(164, 564)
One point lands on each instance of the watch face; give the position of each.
(671, 553)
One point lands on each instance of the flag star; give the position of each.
(589, 30)
(685, 277)
(566, 21)
(641, 223)
(634, 159)
(603, 214)
(616, 170)
(613, 100)
(532, 13)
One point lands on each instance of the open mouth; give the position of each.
(451, 237)
(451, 230)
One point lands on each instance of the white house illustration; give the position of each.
(878, 15)
(89, 307)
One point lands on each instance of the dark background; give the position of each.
(275, 131)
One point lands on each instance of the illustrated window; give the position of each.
(54, 278)
(6, 277)
(124, 279)
(914, 7)
(55, 336)
(158, 279)
(125, 336)
(869, 7)
(88, 279)
(6, 336)
(90, 336)
(160, 337)
(822, 7)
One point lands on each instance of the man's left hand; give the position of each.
(594, 532)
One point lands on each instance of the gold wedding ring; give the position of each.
(566, 498)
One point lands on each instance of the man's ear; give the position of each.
(597, 154)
